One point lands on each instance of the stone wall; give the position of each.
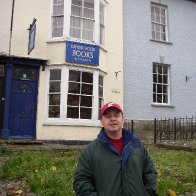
(143, 129)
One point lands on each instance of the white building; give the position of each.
(57, 82)
(159, 59)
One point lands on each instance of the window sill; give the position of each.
(60, 39)
(64, 39)
(164, 42)
(162, 105)
(85, 123)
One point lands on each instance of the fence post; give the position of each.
(174, 128)
(132, 126)
(155, 134)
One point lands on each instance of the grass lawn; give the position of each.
(51, 172)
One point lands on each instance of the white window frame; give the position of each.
(159, 6)
(62, 120)
(157, 83)
(66, 27)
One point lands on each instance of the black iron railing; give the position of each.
(128, 124)
(175, 129)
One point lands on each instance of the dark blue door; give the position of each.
(23, 102)
(23, 109)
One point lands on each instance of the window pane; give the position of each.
(74, 88)
(159, 69)
(55, 74)
(159, 98)
(87, 35)
(100, 91)
(73, 100)
(155, 78)
(76, 10)
(88, 24)
(87, 77)
(58, 10)
(74, 76)
(154, 88)
(165, 98)
(54, 99)
(164, 89)
(89, 3)
(154, 97)
(54, 87)
(88, 13)
(54, 112)
(57, 26)
(85, 113)
(87, 89)
(77, 2)
(165, 79)
(86, 101)
(75, 32)
(159, 88)
(72, 112)
(75, 22)
(101, 80)
(159, 78)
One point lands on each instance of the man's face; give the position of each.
(112, 121)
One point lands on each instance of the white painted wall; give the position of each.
(5, 23)
(140, 52)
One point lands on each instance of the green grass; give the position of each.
(51, 172)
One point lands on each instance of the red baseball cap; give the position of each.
(110, 105)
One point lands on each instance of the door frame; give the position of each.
(9, 61)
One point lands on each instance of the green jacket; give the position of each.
(102, 171)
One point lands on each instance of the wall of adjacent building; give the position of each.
(140, 52)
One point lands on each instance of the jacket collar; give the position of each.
(127, 137)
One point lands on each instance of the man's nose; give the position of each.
(113, 117)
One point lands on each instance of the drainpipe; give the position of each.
(13, 2)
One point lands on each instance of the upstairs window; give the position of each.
(159, 22)
(78, 19)
(160, 83)
(82, 19)
(102, 23)
(57, 18)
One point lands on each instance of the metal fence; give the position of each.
(128, 124)
(175, 129)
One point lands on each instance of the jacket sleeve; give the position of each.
(149, 174)
(83, 179)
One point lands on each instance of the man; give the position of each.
(116, 163)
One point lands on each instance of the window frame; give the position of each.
(160, 6)
(63, 120)
(162, 84)
(67, 20)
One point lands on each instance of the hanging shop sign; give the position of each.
(32, 33)
(82, 53)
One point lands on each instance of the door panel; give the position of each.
(24, 94)
(2, 95)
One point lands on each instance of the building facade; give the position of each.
(159, 59)
(65, 62)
